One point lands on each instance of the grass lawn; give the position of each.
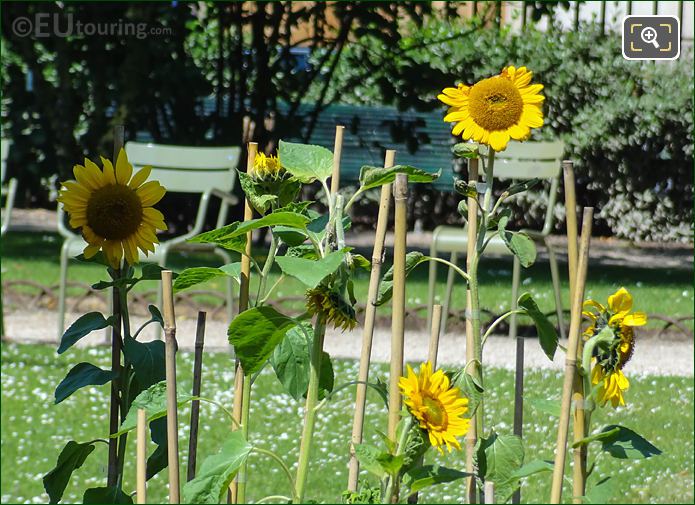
(35, 256)
(34, 430)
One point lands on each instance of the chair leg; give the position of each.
(555, 275)
(431, 285)
(62, 287)
(449, 289)
(229, 284)
(516, 278)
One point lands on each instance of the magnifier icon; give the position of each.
(648, 36)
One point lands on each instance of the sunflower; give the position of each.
(496, 109)
(332, 305)
(113, 209)
(611, 360)
(438, 407)
(266, 166)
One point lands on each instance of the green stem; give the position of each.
(282, 464)
(267, 266)
(392, 488)
(453, 266)
(504, 316)
(245, 404)
(270, 291)
(224, 409)
(352, 200)
(310, 410)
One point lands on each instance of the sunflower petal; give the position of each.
(124, 170)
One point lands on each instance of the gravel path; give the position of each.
(652, 356)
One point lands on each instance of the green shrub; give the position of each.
(627, 124)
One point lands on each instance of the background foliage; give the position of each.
(628, 125)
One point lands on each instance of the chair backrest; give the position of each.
(528, 160)
(5, 148)
(183, 169)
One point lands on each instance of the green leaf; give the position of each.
(361, 262)
(463, 208)
(232, 270)
(623, 443)
(601, 492)
(86, 324)
(521, 186)
(154, 401)
(532, 468)
(326, 376)
(156, 315)
(81, 375)
(290, 236)
(255, 333)
(425, 476)
(70, 459)
(390, 463)
(306, 162)
(221, 237)
(148, 360)
(192, 276)
(290, 360)
(290, 219)
(99, 258)
(311, 272)
(544, 405)
(111, 494)
(158, 460)
(547, 336)
(316, 229)
(258, 200)
(217, 471)
(412, 259)
(368, 456)
(373, 177)
(471, 389)
(498, 458)
(467, 150)
(518, 243)
(153, 272)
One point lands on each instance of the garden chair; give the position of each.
(9, 190)
(204, 171)
(519, 161)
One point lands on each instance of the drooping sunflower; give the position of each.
(610, 360)
(114, 209)
(332, 305)
(496, 109)
(438, 407)
(266, 166)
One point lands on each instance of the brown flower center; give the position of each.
(114, 212)
(495, 103)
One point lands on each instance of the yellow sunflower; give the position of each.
(438, 407)
(617, 316)
(266, 166)
(332, 305)
(613, 384)
(114, 209)
(496, 109)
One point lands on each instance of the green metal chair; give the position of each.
(204, 171)
(519, 161)
(9, 190)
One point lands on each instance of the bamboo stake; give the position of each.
(172, 413)
(243, 305)
(579, 453)
(472, 435)
(400, 196)
(141, 457)
(116, 346)
(571, 357)
(195, 405)
(434, 335)
(489, 491)
(368, 332)
(337, 153)
(519, 400)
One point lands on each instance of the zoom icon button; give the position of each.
(651, 38)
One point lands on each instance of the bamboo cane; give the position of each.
(239, 382)
(368, 332)
(472, 435)
(519, 400)
(337, 153)
(489, 491)
(578, 424)
(434, 335)
(400, 196)
(172, 413)
(195, 405)
(141, 457)
(571, 357)
(116, 345)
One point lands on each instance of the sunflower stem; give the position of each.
(310, 410)
(392, 488)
